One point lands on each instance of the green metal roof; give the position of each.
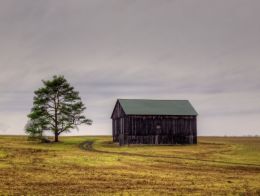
(157, 107)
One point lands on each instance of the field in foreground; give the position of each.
(94, 165)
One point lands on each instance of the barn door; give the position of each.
(158, 132)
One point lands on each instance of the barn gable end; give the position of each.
(118, 111)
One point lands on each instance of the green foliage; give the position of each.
(57, 107)
(34, 129)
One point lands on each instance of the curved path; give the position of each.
(88, 145)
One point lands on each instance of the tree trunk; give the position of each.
(56, 122)
(56, 137)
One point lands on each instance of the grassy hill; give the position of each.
(94, 165)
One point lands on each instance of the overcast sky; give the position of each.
(206, 51)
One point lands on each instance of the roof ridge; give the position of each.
(157, 99)
(157, 107)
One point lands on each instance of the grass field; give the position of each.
(96, 166)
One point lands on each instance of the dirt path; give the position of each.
(88, 145)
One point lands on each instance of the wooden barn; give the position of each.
(140, 121)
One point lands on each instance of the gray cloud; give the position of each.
(204, 51)
(3, 128)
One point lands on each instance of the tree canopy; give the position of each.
(57, 107)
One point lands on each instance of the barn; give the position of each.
(143, 121)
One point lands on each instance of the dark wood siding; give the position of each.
(118, 116)
(153, 129)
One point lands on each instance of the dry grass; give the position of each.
(216, 166)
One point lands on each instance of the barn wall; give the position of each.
(148, 129)
(117, 122)
(159, 130)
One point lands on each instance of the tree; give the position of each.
(34, 129)
(57, 107)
